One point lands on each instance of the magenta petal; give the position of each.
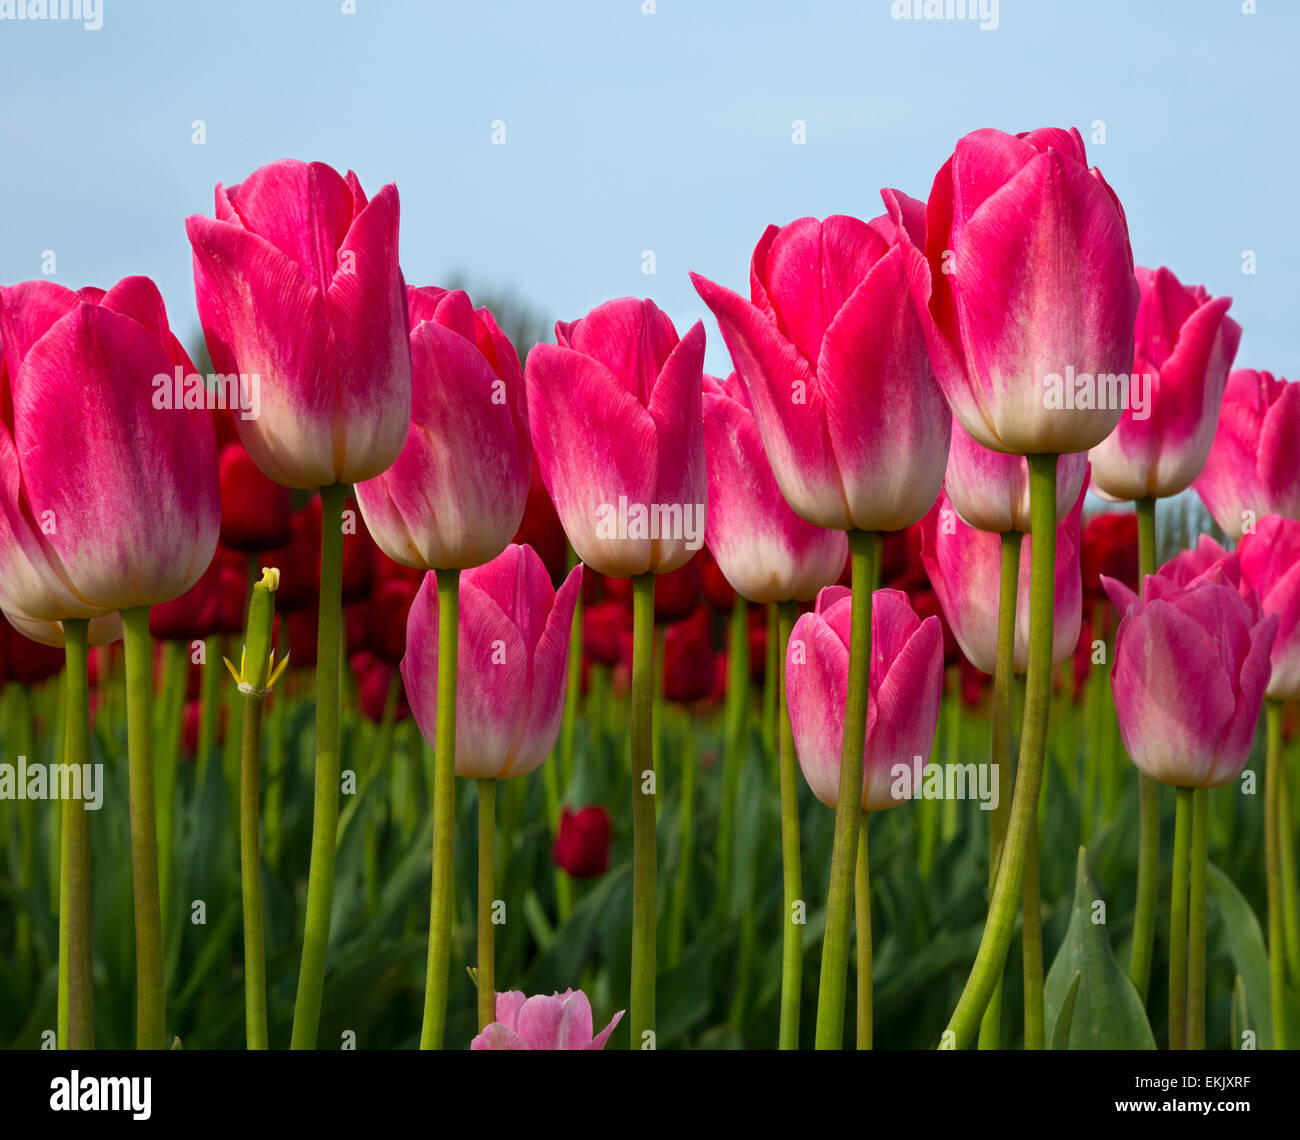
(598, 1042)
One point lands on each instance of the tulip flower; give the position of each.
(512, 667)
(254, 510)
(1251, 470)
(213, 605)
(1191, 669)
(582, 845)
(558, 1021)
(1270, 563)
(1185, 344)
(614, 410)
(688, 658)
(540, 527)
(298, 284)
(1109, 547)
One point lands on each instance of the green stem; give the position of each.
(1006, 898)
(1178, 921)
(864, 547)
(1032, 939)
(76, 980)
(862, 902)
(149, 995)
(1273, 872)
(791, 862)
(325, 807)
(644, 846)
(1148, 873)
(733, 753)
(1196, 919)
(1003, 688)
(443, 886)
(250, 872)
(487, 994)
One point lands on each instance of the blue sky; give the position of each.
(628, 132)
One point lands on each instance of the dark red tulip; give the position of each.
(24, 661)
(582, 846)
(255, 511)
(717, 590)
(213, 605)
(298, 562)
(688, 658)
(540, 528)
(604, 628)
(373, 676)
(390, 605)
(1109, 547)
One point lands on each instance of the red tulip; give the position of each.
(254, 510)
(582, 845)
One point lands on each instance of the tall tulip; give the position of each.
(832, 352)
(139, 526)
(512, 667)
(614, 409)
(1251, 470)
(301, 296)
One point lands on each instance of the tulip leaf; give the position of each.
(1106, 1012)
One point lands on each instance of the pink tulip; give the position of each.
(614, 409)
(766, 551)
(1185, 342)
(298, 284)
(511, 666)
(456, 494)
(110, 499)
(990, 489)
(103, 630)
(902, 697)
(555, 1021)
(1028, 278)
(831, 349)
(1207, 560)
(1252, 469)
(1191, 667)
(1270, 564)
(965, 568)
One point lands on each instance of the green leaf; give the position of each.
(1106, 1012)
(1061, 1031)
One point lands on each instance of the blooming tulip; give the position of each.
(688, 665)
(1270, 564)
(903, 695)
(456, 494)
(1185, 342)
(255, 510)
(1028, 280)
(965, 568)
(1252, 471)
(1110, 547)
(766, 551)
(614, 409)
(557, 1021)
(514, 639)
(582, 844)
(831, 351)
(298, 284)
(1191, 667)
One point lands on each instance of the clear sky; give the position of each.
(627, 132)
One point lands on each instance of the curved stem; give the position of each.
(864, 548)
(487, 994)
(992, 953)
(644, 844)
(149, 992)
(1003, 687)
(862, 906)
(1196, 919)
(444, 813)
(1178, 922)
(1273, 873)
(325, 809)
(76, 1027)
(1148, 873)
(791, 861)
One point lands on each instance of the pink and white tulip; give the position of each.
(902, 697)
(545, 1021)
(765, 551)
(1185, 344)
(298, 283)
(512, 663)
(456, 494)
(831, 350)
(1270, 565)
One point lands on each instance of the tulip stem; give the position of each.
(1006, 897)
(444, 813)
(325, 808)
(644, 853)
(250, 870)
(149, 994)
(862, 902)
(1273, 871)
(791, 863)
(487, 995)
(864, 548)
(1148, 873)
(76, 1028)
(1178, 921)
(1196, 919)
(733, 752)
(1003, 688)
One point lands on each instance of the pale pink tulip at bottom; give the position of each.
(545, 1021)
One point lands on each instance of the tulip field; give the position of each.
(384, 667)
